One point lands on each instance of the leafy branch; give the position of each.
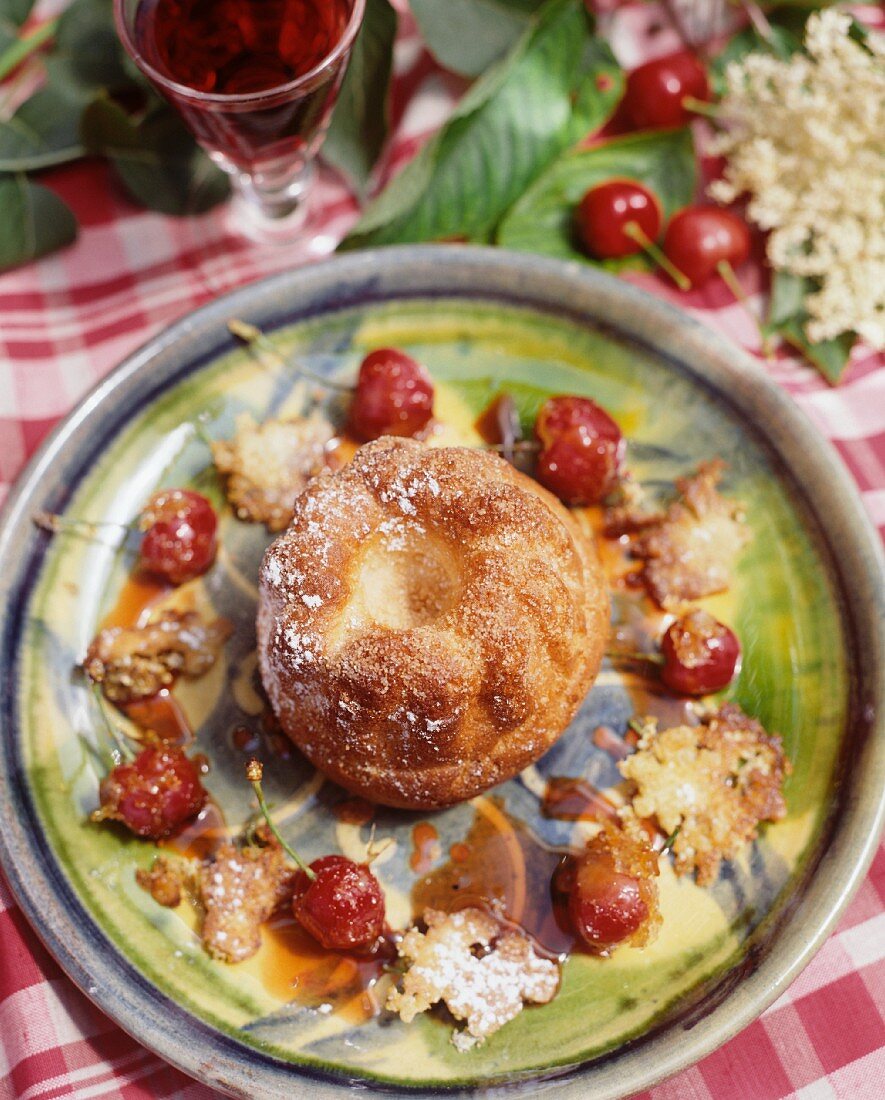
(508, 166)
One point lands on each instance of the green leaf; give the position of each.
(784, 42)
(44, 131)
(15, 12)
(467, 36)
(543, 219)
(360, 122)
(787, 21)
(787, 300)
(35, 221)
(829, 356)
(157, 160)
(787, 318)
(88, 54)
(508, 127)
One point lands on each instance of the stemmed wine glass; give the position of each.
(255, 81)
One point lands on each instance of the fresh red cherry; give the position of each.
(179, 539)
(582, 449)
(699, 238)
(343, 907)
(606, 209)
(654, 95)
(394, 396)
(155, 794)
(606, 906)
(701, 655)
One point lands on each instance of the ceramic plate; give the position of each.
(806, 602)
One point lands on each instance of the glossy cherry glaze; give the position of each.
(699, 238)
(179, 541)
(701, 655)
(655, 92)
(394, 396)
(606, 209)
(582, 449)
(611, 892)
(502, 867)
(154, 795)
(605, 906)
(342, 907)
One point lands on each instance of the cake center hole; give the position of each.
(408, 581)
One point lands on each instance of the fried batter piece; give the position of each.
(486, 987)
(628, 509)
(265, 466)
(714, 783)
(690, 551)
(240, 888)
(137, 662)
(164, 881)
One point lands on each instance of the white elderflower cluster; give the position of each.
(806, 142)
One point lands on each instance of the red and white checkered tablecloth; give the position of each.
(67, 320)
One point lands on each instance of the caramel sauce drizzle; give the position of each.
(293, 967)
(139, 595)
(574, 799)
(425, 847)
(500, 867)
(354, 811)
(200, 839)
(163, 715)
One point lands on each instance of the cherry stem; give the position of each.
(671, 840)
(635, 233)
(531, 446)
(373, 850)
(634, 655)
(58, 525)
(254, 773)
(23, 47)
(701, 107)
(728, 276)
(643, 726)
(757, 17)
(201, 433)
(254, 337)
(121, 750)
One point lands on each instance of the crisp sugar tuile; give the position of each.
(483, 973)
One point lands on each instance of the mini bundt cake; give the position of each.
(429, 623)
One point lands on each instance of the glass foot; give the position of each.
(268, 212)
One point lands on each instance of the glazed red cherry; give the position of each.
(612, 896)
(343, 907)
(582, 449)
(605, 906)
(606, 209)
(701, 655)
(394, 396)
(653, 98)
(699, 238)
(179, 539)
(155, 794)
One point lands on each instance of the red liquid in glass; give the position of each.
(239, 48)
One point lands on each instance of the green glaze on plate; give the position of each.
(482, 323)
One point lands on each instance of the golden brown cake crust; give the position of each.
(429, 623)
